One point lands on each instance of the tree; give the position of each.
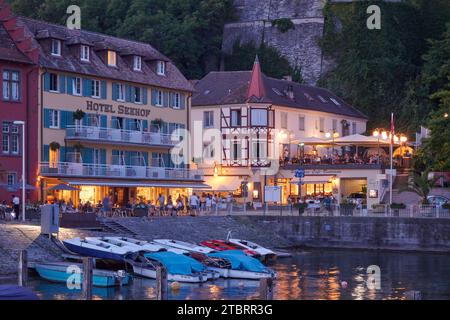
(421, 185)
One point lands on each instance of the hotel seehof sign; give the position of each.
(119, 109)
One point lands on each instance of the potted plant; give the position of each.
(78, 115)
(54, 146)
(378, 208)
(396, 207)
(158, 123)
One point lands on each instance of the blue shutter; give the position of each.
(103, 121)
(115, 91)
(103, 88)
(114, 122)
(62, 154)
(171, 99)
(87, 154)
(145, 155)
(128, 93)
(167, 161)
(46, 153)
(145, 125)
(103, 156)
(86, 120)
(87, 87)
(165, 99)
(115, 157)
(70, 81)
(144, 95)
(69, 119)
(47, 118)
(63, 120)
(172, 127)
(47, 81)
(62, 83)
(154, 96)
(127, 158)
(183, 101)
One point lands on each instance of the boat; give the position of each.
(133, 245)
(244, 266)
(12, 292)
(180, 268)
(266, 254)
(220, 245)
(191, 247)
(93, 247)
(62, 271)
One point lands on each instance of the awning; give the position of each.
(311, 141)
(223, 183)
(313, 180)
(125, 184)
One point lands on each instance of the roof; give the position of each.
(9, 50)
(231, 87)
(69, 62)
(256, 88)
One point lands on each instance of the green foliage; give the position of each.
(272, 63)
(283, 25)
(421, 185)
(188, 31)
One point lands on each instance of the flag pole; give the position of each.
(391, 158)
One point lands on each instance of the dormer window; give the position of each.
(161, 68)
(84, 53)
(137, 63)
(56, 47)
(112, 58)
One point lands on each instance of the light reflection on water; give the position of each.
(305, 276)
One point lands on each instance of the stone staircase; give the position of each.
(400, 182)
(112, 226)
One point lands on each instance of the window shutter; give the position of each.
(62, 84)
(128, 93)
(171, 99)
(63, 123)
(145, 155)
(103, 88)
(115, 91)
(47, 118)
(87, 154)
(70, 81)
(46, 153)
(86, 120)
(144, 95)
(165, 99)
(154, 96)
(87, 87)
(145, 125)
(103, 121)
(62, 154)
(103, 156)
(128, 158)
(69, 119)
(47, 81)
(182, 101)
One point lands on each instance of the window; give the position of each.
(5, 143)
(159, 98)
(11, 85)
(121, 92)
(84, 53)
(54, 87)
(137, 63)
(11, 178)
(353, 127)
(335, 101)
(334, 124)
(284, 120)
(236, 150)
(259, 117)
(14, 144)
(322, 99)
(208, 119)
(161, 68)
(112, 58)
(94, 120)
(95, 88)
(137, 98)
(176, 101)
(76, 86)
(322, 125)
(56, 47)
(54, 119)
(236, 118)
(53, 158)
(259, 149)
(301, 123)
(10, 138)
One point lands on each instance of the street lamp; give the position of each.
(334, 134)
(22, 123)
(377, 133)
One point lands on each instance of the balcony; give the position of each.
(72, 169)
(119, 136)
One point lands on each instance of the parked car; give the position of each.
(357, 198)
(438, 201)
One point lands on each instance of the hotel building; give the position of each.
(262, 119)
(106, 113)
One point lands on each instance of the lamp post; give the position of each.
(379, 133)
(334, 134)
(22, 123)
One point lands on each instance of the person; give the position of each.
(179, 206)
(229, 200)
(16, 206)
(214, 202)
(194, 204)
(208, 203)
(161, 202)
(169, 205)
(105, 205)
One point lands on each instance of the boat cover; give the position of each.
(9, 292)
(177, 263)
(240, 261)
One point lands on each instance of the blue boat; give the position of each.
(96, 248)
(9, 292)
(62, 271)
(243, 266)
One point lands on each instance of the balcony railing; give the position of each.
(111, 135)
(71, 169)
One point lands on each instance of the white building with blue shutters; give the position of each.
(108, 108)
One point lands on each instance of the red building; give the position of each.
(19, 75)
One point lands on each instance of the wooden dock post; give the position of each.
(87, 278)
(266, 289)
(23, 268)
(161, 283)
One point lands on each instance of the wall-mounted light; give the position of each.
(216, 170)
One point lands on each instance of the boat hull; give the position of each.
(242, 274)
(89, 252)
(149, 273)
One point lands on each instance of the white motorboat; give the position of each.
(92, 247)
(264, 253)
(150, 246)
(191, 247)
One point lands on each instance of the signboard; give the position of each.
(119, 109)
(272, 193)
(300, 173)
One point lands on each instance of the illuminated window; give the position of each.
(112, 58)
(53, 158)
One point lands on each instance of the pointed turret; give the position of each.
(256, 87)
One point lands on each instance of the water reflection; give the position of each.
(305, 276)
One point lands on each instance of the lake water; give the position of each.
(317, 274)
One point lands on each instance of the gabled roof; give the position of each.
(232, 87)
(256, 90)
(41, 30)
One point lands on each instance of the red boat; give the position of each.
(220, 245)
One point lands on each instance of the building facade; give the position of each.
(108, 114)
(265, 125)
(18, 102)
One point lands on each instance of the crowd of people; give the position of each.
(11, 210)
(335, 159)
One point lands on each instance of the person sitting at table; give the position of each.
(88, 208)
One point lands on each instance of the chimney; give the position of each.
(287, 78)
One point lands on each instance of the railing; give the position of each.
(71, 169)
(120, 136)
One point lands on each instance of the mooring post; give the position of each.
(23, 268)
(413, 295)
(88, 264)
(266, 289)
(161, 283)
